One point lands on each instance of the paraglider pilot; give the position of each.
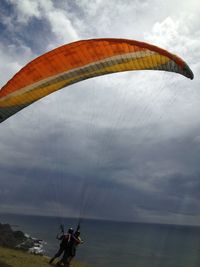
(65, 239)
(70, 251)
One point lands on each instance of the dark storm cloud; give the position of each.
(108, 171)
(113, 167)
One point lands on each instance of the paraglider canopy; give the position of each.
(82, 60)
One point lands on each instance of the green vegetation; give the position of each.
(18, 258)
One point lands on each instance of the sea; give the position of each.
(117, 244)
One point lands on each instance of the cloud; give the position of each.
(62, 27)
(126, 143)
(58, 19)
(176, 35)
(13, 58)
(26, 10)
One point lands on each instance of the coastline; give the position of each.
(18, 249)
(19, 240)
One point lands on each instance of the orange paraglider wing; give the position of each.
(82, 60)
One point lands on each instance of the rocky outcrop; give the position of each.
(17, 239)
(10, 238)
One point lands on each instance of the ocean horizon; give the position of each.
(114, 244)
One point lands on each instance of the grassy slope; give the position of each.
(16, 258)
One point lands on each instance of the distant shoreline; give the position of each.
(101, 220)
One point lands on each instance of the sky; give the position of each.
(124, 146)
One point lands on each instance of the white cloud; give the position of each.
(58, 19)
(26, 9)
(176, 35)
(61, 26)
(13, 58)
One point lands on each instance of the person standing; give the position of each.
(65, 239)
(70, 252)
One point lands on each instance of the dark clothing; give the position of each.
(59, 253)
(63, 246)
(65, 240)
(70, 252)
